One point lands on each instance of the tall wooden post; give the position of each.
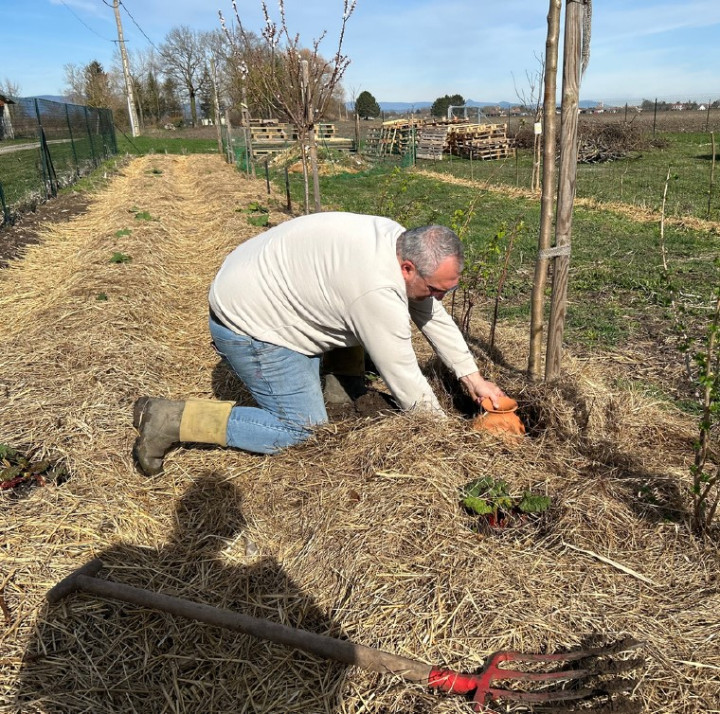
(216, 105)
(547, 202)
(566, 183)
(310, 128)
(357, 129)
(132, 112)
(230, 148)
(247, 132)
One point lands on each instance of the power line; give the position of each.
(124, 7)
(82, 22)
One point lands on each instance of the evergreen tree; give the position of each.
(205, 95)
(96, 85)
(441, 104)
(152, 97)
(366, 106)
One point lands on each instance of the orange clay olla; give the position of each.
(502, 421)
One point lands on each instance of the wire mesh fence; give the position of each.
(45, 145)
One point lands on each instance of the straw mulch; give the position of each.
(357, 534)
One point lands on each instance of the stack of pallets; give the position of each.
(432, 140)
(393, 137)
(273, 137)
(479, 141)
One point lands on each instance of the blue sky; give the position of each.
(401, 50)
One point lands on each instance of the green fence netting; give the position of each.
(45, 145)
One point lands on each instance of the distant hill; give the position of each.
(50, 97)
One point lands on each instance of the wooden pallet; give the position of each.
(392, 138)
(480, 141)
(267, 133)
(488, 153)
(270, 148)
(431, 142)
(280, 132)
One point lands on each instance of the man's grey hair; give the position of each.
(427, 246)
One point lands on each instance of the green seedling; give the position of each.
(261, 220)
(120, 258)
(7, 452)
(143, 216)
(491, 498)
(101, 297)
(259, 215)
(122, 232)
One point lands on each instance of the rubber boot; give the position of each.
(344, 370)
(163, 423)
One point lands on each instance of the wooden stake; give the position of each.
(566, 184)
(547, 200)
(712, 173)
(216, 106)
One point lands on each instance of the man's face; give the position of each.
(444, 280)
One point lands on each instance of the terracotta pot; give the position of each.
(503, 421)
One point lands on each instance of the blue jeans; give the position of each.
(285, 384)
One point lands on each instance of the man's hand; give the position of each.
(478, 388)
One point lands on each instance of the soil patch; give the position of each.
(24, 231)
(371, 404)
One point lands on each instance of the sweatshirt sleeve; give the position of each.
(381, 322)
(443, 334)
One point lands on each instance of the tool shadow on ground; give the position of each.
(90, 654)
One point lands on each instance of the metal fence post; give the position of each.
(72, 141)
(7, 218)
(89, 131)
(43, 165)
(111, 129)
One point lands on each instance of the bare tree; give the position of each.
(9, 88)
(297, 81)
(75, 83)
(531, 100)
(185, 60)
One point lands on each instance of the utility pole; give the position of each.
(216, 105)
(132, 111)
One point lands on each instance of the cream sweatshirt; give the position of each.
(331, 280)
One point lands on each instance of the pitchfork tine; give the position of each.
(492, 672)
(629, 643)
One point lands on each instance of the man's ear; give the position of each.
(408, 269)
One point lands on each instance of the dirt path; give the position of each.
(22, 147)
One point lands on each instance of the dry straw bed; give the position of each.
(358, 534)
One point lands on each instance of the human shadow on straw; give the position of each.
(96, 655)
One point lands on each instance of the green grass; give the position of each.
(638, 180)
(142, 145)
(20, 175)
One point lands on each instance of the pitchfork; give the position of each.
(590, 691)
